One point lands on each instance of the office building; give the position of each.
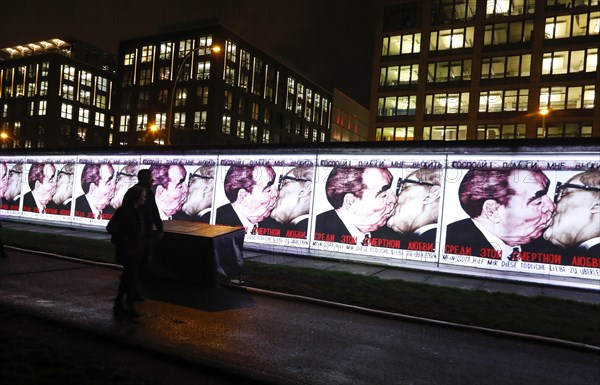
(483, 70)
(349, 120)
(206, 86)
(55, 93)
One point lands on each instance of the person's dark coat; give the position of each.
(126, 228)
(150, 212)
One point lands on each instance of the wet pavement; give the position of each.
(278, 340)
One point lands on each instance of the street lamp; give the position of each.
(544, 112)
(4, 136)
(155, 132)
(169, 122)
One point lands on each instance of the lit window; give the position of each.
(231, 51)
(85, 96)
(253, 133)
(101, 101)
(69, 73)
(102, 84)
(81, 133)
(85, 78)
(124, 123)
(226, 126)
(68, 91)
(200, 120)
(66, 111)
(160, 120)
(451, 39)
(405, 44)
(180, 97)
(179, 120)
(230, 75)
(204, 45)
(241, 129)
(84, 115)
(43, 88)
(185, 47)
(99, 119)
(129, 58)
(142, 122)
(203, 70)
(166, 50)
(42, 107)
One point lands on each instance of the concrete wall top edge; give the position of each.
(347, 148)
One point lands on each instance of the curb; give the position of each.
(410, 318)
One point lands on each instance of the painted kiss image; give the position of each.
(575, 225)
(268, 197)
(183, 187)
(99, 185)
(61, 201)
(48, 187)
(11, 183)
(374, 206)
(521, 216)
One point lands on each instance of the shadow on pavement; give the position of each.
(210, 299)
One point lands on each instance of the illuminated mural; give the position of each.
(519, 213)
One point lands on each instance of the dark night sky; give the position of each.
(330, 41)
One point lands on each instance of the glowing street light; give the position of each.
(544, 112)
(4, 136)
(169, 122)
(154, 133)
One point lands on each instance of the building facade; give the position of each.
(55, 93)
(207, 86)
(349, 120)
(483, 70)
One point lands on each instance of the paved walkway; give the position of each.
(279, 341)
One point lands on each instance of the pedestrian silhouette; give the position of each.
(127, 230)
(151, 220)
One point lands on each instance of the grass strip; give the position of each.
(542, 315)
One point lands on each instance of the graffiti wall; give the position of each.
(523, 213)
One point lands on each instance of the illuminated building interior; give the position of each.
(482, 70)
(55, 93)
(191, 93)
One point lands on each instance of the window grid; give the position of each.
(501, 131)
(451, 103)
(499, 67)
(396, 75)
(449, 71)
(447, 133)
(454, 38)
(401, 44)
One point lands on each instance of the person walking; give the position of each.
(151, 220)
(127, 230)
